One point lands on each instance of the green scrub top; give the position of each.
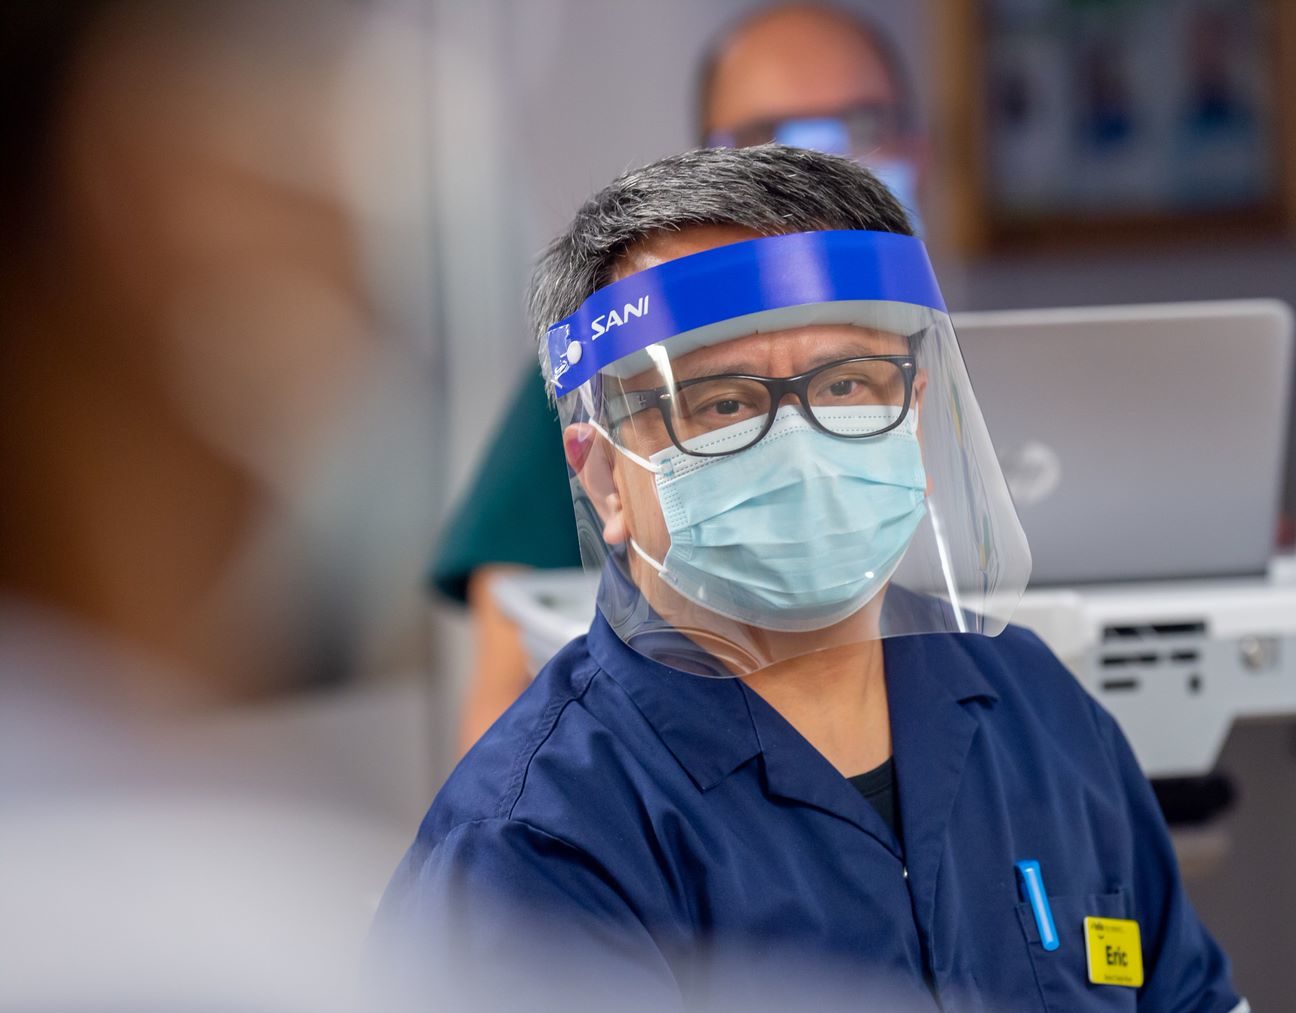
(518, 507)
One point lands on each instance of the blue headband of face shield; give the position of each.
(729, 291)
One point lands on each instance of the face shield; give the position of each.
(774, 449)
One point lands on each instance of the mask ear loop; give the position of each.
(642, 554)
(647, 465)
(630, 455)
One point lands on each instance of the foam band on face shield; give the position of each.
(878, 279)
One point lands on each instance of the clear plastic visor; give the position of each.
(798, 479)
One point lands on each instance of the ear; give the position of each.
(593, 459)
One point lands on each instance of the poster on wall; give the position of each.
(1135, 109)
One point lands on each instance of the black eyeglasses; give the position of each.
(864, 126)
(851, 398)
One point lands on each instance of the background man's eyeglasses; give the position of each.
(853, 131)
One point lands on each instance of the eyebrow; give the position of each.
(839, 349)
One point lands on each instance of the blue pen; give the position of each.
(1033, 886)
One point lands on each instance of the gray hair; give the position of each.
(771, 189)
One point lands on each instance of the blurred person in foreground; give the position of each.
(799, 732)
(193, 366)
(805, 75)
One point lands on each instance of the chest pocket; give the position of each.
(1063, 974)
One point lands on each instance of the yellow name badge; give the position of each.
(1114, 950)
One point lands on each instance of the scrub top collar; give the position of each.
(712, 726)
(706, 723)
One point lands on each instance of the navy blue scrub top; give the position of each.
(652, 818)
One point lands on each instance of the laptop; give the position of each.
(1139, 442)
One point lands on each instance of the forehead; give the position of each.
(660, 247)
(796, 63)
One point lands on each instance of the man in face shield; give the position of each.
(792, 738)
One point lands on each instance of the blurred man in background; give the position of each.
(806, 75)
(815, 77)
(196, 380)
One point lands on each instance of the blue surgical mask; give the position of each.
(795, 533)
